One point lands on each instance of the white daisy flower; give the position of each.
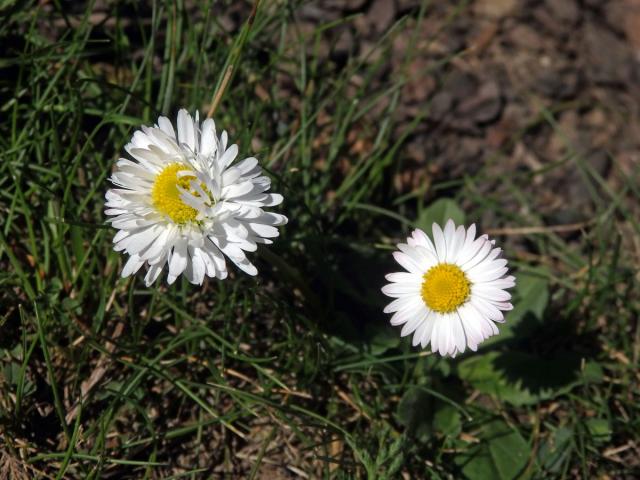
(184, 204)
(453, 291)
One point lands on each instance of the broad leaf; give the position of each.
(424, 415)
(524, 379)
(439, 212)
(530, 298)
(502, 454)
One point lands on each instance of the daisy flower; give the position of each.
(453, 291)
(183, 202)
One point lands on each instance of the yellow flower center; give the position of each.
(445, 287)
(166, 196)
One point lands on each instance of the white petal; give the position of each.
(414, 322)
(403, 316)
(448, 346)
(487, 327)
(208, 140)
(490, 293)
(139, 240)
(404, 277)
(504, 306)
(153, 273)
(421, 239)
(186, 130)
(165, 125)
(449, 236)
(479, 256)
(427, 329)
(440, 243)
(247, 164)
(407, 263)
(132, 266)
(488, 276)
(486, 266)
(420, 256)
(459, 338)
(471, 325)
(412, 301)
(417, 336)
(400, 289)
(457, 243)
(487, 309)
(506, 282)
(198, 267)
(236, 190)
(228, 157)
(179, 259)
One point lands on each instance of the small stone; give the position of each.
(441, 104)
(524, 36)
(566, 11)
(550, 22)
(461, 85)
(599, 161)
(344, 46)
(381, 14)
(345, 5)
(419, 85)
(483, 107)
(405, 5)
(512, 120)
(559, 83)
(631, 25)
(609, 60)
(495, 9)
(316, 13)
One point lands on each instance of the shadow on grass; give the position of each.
(541, 361)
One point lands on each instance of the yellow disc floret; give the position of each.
(445, 287)
(166, 196)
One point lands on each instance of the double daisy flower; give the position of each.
(184, 204)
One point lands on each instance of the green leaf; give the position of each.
(555, 450)
(524, 379)
(382, 339)
(439, 212)
(599, 429)
(502, 454)
(447, 420)
(530, 299)
(415, 412)
(532, 295)
(423, 415)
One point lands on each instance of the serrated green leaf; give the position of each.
(524, 379)
(530, 299)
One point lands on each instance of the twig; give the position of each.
(570, 227)
(220, 91)
(234, 56)
(351, 403)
